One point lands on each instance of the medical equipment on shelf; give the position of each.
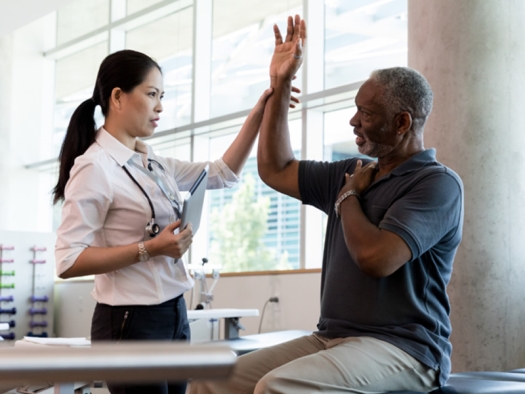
(10, 323)
(35, 299)
(205, 293)
(36, 311)
(38, 323)
(27, 283)
(41, 335)
(9, 336)
(39, 299)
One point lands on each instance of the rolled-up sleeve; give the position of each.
(220, 175)
(87, 200)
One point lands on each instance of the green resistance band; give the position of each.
(7, 273)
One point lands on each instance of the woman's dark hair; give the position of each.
(123, 69)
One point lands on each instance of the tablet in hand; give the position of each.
(193, 202)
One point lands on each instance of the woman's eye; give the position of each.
(152, 94)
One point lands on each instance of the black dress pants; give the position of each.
(166, 321)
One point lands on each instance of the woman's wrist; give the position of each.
(151, 247)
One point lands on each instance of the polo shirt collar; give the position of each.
(416, 162)
(117, 150)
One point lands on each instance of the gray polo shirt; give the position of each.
(422, 202)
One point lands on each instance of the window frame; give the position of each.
(316, 100)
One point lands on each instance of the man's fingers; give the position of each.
(298, 49)
(278, 37)
(372, 164)
(303, 31)
(297, 27)
(289, 29)
(296, 90)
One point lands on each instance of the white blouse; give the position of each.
(103, 207)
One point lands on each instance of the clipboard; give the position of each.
(193, 202)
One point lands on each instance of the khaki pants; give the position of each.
(314, 364)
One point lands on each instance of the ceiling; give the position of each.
(15, 14)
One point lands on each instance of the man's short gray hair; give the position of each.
(407, 90)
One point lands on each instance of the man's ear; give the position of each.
(115, 100)
(403, 122)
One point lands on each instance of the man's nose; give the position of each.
(353, 121)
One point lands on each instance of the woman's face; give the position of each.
(140, 108)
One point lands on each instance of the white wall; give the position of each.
(26, 83)
(298, 306)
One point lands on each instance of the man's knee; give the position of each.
(271, 383)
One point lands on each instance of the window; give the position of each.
(242, 49)
(250, 226)
(215, 67)
(169, 41)
(361, 36)
(73, 84)
(133, 6)
(81, 17)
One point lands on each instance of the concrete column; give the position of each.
(473, 54)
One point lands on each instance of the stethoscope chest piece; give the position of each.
(152, 228)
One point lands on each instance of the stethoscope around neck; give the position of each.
(152, 228)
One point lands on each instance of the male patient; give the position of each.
(393, 229)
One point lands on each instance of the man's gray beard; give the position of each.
(375, 149)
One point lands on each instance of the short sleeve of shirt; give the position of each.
(87, 200)
(320, 182)
(429, 212)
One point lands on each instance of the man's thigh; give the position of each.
(251, 367)
(351, 365)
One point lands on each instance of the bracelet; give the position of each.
(342, 198)
(143, 253)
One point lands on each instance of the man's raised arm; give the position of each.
(277, 165)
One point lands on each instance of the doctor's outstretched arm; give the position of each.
(237, 153)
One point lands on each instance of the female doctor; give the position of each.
(120, 218)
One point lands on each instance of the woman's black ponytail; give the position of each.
(123, 69)
(79, 137)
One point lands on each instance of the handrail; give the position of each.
(125, 362)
